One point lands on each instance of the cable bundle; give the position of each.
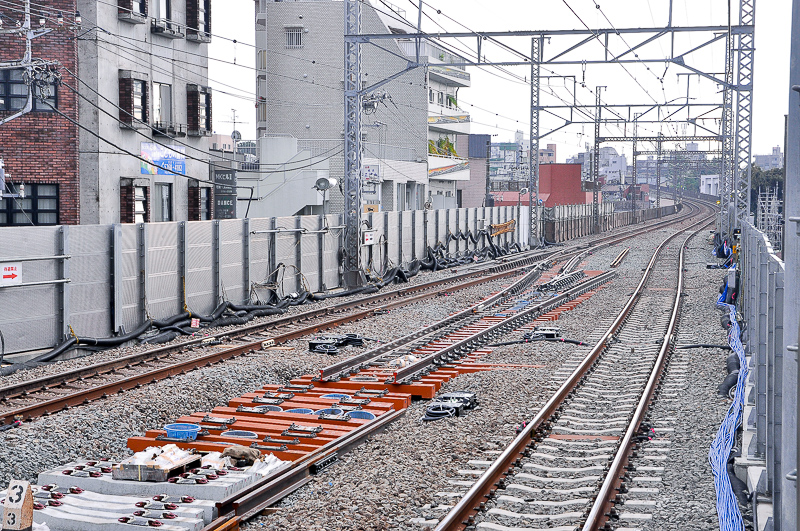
(730, 517)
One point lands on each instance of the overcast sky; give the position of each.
(499, 100)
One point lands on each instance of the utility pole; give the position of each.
(596, 166)
(537, 43)
(353, 275)
(658, 173)
(635, 178)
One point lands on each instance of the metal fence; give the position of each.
(771, 396)
(96, 280)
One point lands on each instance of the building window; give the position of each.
(139, 204)
(162, 104)
(198, 102)
(39, 207)
(204, 16)
(204, 111)
(294, 37)
(140, 7)
(430, 95)
(162, 202)
(439, 98)
(164, 10)
(14, 93)
(139, 91)
(205, 203)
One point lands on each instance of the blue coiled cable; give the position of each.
(730, 517)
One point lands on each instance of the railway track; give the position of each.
(567, 469)
(311, 421)
(47, 395)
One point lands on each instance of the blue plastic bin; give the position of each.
(335, 396)
(240, 433)
(361, 415)
(182, 431)
(301, 410)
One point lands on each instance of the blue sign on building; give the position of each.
(164, 160)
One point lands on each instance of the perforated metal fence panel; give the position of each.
(393, 241)
(131, 285)
(201, 275)
(27, 316)
(287, 246)
(232, 240)
(163, 291)
(406, 245)
(90, 288)
(309, 243)
(330, 251)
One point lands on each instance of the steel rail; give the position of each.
(97, 369)
(421, 367)
(85, 396)
(599, 513)
(469, 505)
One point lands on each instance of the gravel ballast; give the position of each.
(389, 480)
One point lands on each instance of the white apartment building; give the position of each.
(300, 84)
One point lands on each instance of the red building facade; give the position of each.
(40, 148)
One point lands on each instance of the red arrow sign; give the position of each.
(11, 276)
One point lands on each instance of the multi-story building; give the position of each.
(144, 87)
(548, 154)
(410, 124)
(613, 166)
(772, 161)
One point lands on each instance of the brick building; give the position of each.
(39, 148)
(138, 88)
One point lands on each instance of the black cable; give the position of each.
(703, 345)
(552, 339)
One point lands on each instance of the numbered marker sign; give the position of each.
(18, 507)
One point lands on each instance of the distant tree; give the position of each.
(764, 180)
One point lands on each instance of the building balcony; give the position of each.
(448, 168)
(198, 36)
(167, 29)
(448, 120)
(130, 17)
(169, 129)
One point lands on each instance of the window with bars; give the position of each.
(162, 202)
(204, 111)
(39, 207)
(205, 203)
(294, 37)
(139, 204)
(162, 103)
(139, 91)
(14, 93)
(204, 16)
